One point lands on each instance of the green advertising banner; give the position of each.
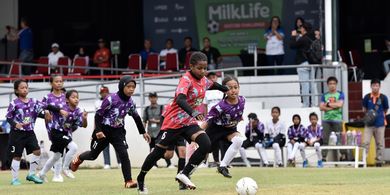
(234, 24)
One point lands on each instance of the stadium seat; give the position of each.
(356, 64)
(134, 62)
(80, 62)
(64, 63)
(153, 62)
(187, 61)
(41, 70)
(172, 62)
(14, 69)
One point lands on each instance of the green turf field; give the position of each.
(270, 181)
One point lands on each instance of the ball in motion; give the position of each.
(246, 186)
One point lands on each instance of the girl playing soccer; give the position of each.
(56, 97)
(109, 128)
(296, 135)
(21, 115)
(180, 119)
(221, 122)
(313, 138)
(61, 137)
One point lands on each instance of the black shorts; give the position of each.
(217, 133)
(18, 140)
(248, 143)
(171, 137)
(115, 136)
(59, 140)
(179, 142)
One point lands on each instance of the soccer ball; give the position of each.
(213, 26)
(246, 186)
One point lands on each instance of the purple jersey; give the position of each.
(254, 133)
(314, 132)
(225, 114)
(114, 109)
(27, 113)
(295, 133)
(57, 101)
(71, 122)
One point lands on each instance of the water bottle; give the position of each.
(359, 138)
(354, 141)
(349, 138)
(332, 139)
(338, 138)
(343, 138)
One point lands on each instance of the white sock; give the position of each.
(69, 155)
(231, 151)
(278, 153)
(49, 163)
(58, 167)
(34, 162)
(318, 150)
(243, 154)
(263, 153)
(15, 166)
(302, 150)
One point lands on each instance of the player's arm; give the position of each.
(217, 86)
(106, 105)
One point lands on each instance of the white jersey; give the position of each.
(212, 98)
(273, 129)
(53, 57)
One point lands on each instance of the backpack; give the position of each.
(314, 54)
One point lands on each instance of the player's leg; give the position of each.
(317, 147)
(247, 143)
(233, 149)
(16, 146)
(278, 154)
(72, 149)
(32, 146)
(262, 152)
(302, 147)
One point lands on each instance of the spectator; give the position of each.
(54, 55)
(302, 44)
(168, 49)
(183, 51)
(151, 119)
(299, 21)
(146, 51)
(25, 45)
(274, 46)
(332, 104)
(214, 57)
(104, 92)
(378, 103)
(102, 56)
(83, 54)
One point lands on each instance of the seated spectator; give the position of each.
(314, 139)
(214, 57)
(168, 49)
(146, 51)
(183, 51)
(54, 55)
(82, 53)
(102, 56)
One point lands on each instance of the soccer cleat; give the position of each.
(75, 163)
(320, 164)
(58, 179)
(305, 164)
(68, 174)
(290, 163)
(43, 177)
(15, 182)
(34, 178)
(184, 179)
(130, 184)
(171, 166)
(224, 171)
(182, 186)
(280, 165)
(247, 163)
(107, 167)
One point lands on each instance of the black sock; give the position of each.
(204, 147)
(150, 161)
(168, 161)
(181, 164)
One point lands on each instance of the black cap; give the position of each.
(152, 94)
(210, 74)
(252, 116)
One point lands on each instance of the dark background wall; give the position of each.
(75, 23)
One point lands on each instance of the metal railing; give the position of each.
(339, 70)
